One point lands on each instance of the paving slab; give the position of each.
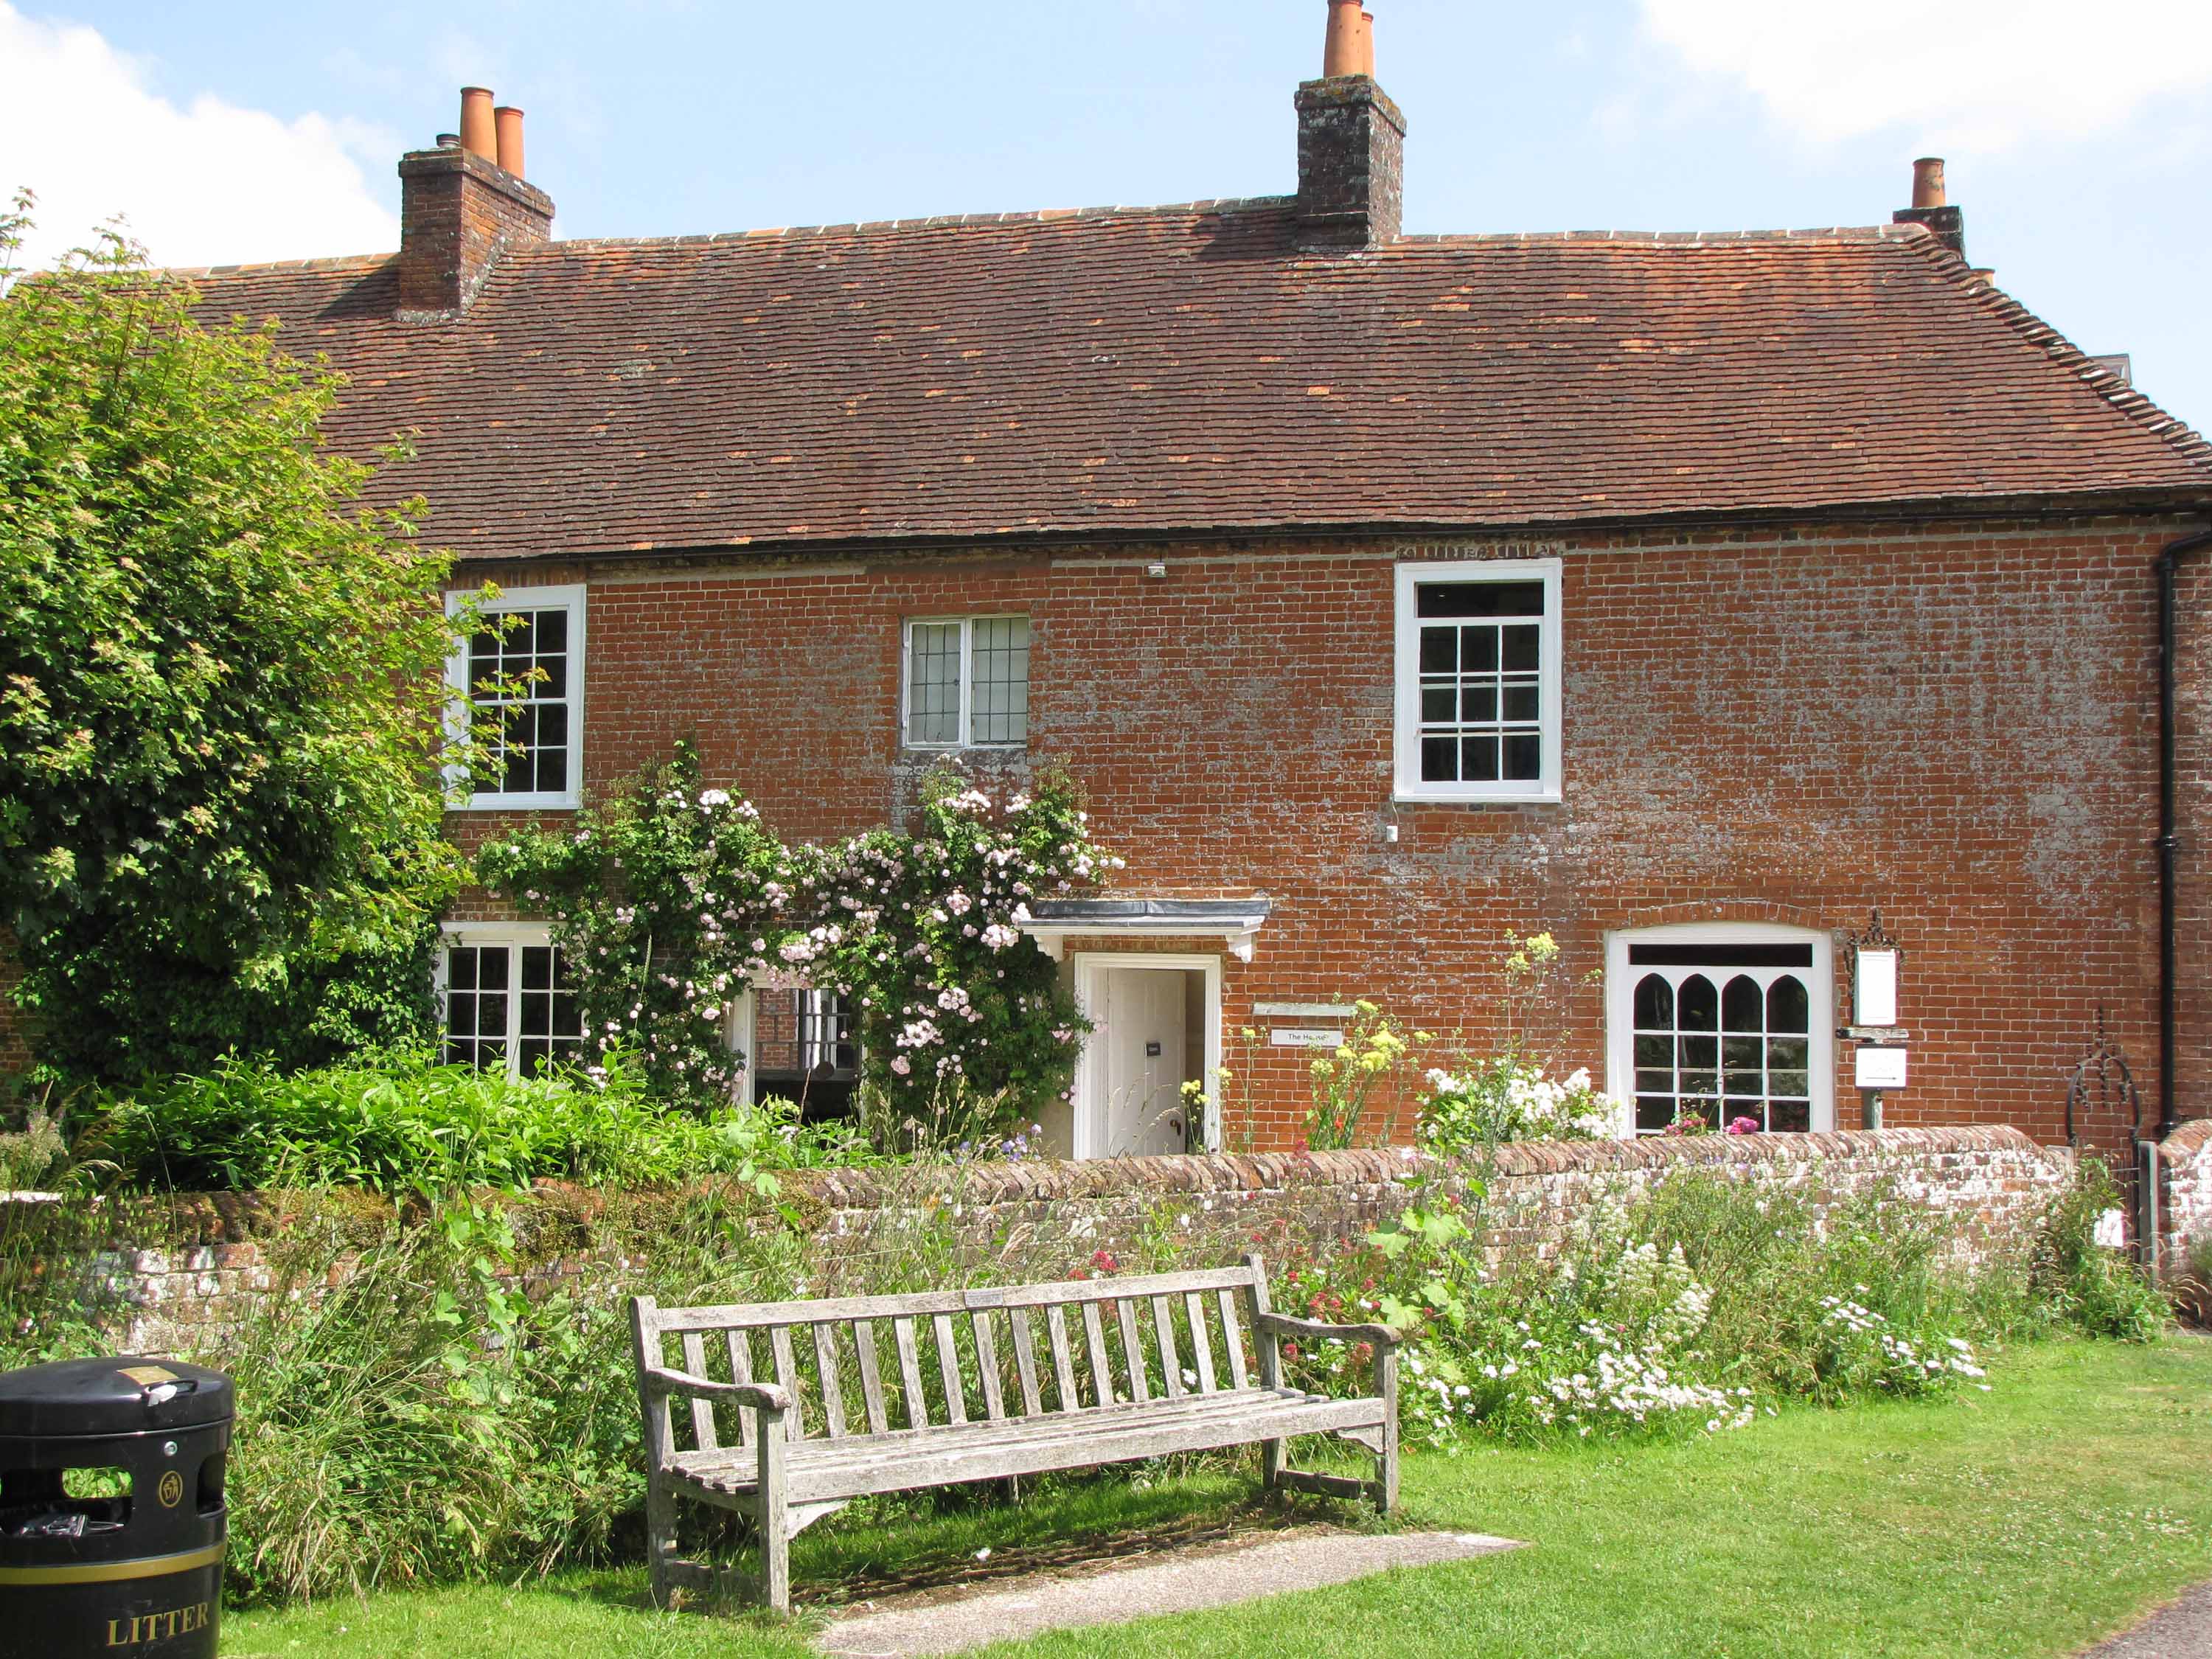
(1177, 1581)
(2179, 1630)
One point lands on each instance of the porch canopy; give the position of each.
(1235, 921)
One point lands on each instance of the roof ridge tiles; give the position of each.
(1224, 204)
(2136, 407)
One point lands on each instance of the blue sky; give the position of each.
(2078, 137)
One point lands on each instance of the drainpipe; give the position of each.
(2169, 560)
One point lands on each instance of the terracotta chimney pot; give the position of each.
(1340, 53)
(507, 120)
(478, 134)
(1928, 182)
(1367, 44)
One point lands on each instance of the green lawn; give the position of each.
(2028, 1521)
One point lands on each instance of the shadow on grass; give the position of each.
(969, 1535)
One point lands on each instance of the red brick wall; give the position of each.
(2193, 908)
(1956, 725)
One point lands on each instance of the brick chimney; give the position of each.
(459, 210)
(1931, 208)
(1352, 144)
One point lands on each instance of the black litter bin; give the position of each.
(112, 1516)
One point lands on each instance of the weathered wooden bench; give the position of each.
(1123, 1368)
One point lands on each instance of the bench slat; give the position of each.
(740, 1346)
(723, 1317)
(872, 1380)
(787, 1376)
(917, 1403)
(1063, 1368)
(1201, 1345)
(1025, 1361)
(948, 1368)
(1133, 1349)
(833, 1393)
(826, 1470)
(1171, 1366)
(1233, 1340)
(986, 1362)
(702, 1411)
(1094, 1342)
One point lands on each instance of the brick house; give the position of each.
(1688, 597)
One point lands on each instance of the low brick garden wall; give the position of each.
(2186, 1160)
(180, 1272)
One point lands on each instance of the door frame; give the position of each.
(1091, 966)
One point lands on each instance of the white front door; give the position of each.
(1140, 1033)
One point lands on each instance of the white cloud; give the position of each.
(1966, 74)
(211, 183)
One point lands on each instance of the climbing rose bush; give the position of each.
(671, 899)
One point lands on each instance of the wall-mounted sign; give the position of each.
(1879, 1068)
(1304, 1037)
(1874, 988)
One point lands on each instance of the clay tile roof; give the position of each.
(1115, 371)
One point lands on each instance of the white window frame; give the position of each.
(1620, 1005)
(514, 937)
(967, 627)
(1408, 785)
(573, 598)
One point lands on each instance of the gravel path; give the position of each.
(2179, 1630)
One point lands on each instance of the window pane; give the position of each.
(1436, 705)
(1789, 1008)
(1478, 759)
(1790, 1117)
(1000, 679)
(1439, 759)
(1478, 598)
(933, 683)
(1654, 1113)
(1742, 1005)
(1700, 1004)
(1521, 654)
(1524, 759)
(1439, 650)
(1655, 1003)
(526, 734)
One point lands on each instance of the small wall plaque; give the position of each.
(1880, 1068)
(1304, 1037)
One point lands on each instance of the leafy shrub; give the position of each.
(2086, 1285)
(1504, 1099)
(403, 1123)
(1680, 1313)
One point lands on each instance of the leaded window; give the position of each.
(1722, 1033)
(968, 683)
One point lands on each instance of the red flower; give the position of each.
(1103, 1260)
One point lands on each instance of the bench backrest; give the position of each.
(1008, 1352)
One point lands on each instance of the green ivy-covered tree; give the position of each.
(221, 693)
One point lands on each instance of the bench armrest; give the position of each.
(763, 1397)
(1320, 1330)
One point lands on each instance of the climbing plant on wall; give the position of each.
(669, 899)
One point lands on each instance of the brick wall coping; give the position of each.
(2188, 1143)
(221, 1218)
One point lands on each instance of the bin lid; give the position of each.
(126, 1394)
